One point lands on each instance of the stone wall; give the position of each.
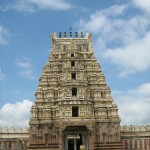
(136, 137)
(133, 138)
(14, 138)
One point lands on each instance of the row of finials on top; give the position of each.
(70, 35)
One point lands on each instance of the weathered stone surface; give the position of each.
(72, 92)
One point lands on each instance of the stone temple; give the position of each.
(73, 106)
(73, 109)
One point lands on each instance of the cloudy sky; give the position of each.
(121, 36)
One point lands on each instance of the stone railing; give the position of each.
(136, 128)
(14, 133)
(13, 130)
(135, 131)
(71, 35)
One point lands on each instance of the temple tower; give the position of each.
(73, 107)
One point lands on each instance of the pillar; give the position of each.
(66, 143)
(75, 144)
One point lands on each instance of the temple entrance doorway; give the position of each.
(71, 144)
(76, 137)
(74, 141)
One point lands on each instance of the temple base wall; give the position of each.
(135, 138)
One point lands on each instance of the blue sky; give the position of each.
(121, 36)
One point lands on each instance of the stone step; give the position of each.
(108, 146)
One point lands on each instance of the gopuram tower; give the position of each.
(73, 109)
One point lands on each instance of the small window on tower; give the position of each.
(73, 76)
(75, 111)
(72, 63)
(74, 91)
(72, 54)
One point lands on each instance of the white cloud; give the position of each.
(143, 4)
(26, 67)
(143, 90)
(57, 4)
(4, 33)
(2, 76)
(120, 37)
(133, 57)
(134, 105)
(15, 115)
(97, 21)
(23, 5)
(33, 5)
(27, 74)
(25, 63)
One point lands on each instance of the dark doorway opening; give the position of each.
(75, 111)
(75, 143)
(72, 54)
(74, 91)
(79, 142)
(72, 63)
(73, 76)
(70, 144)
(75, 136)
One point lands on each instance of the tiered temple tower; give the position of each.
(73, 108)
